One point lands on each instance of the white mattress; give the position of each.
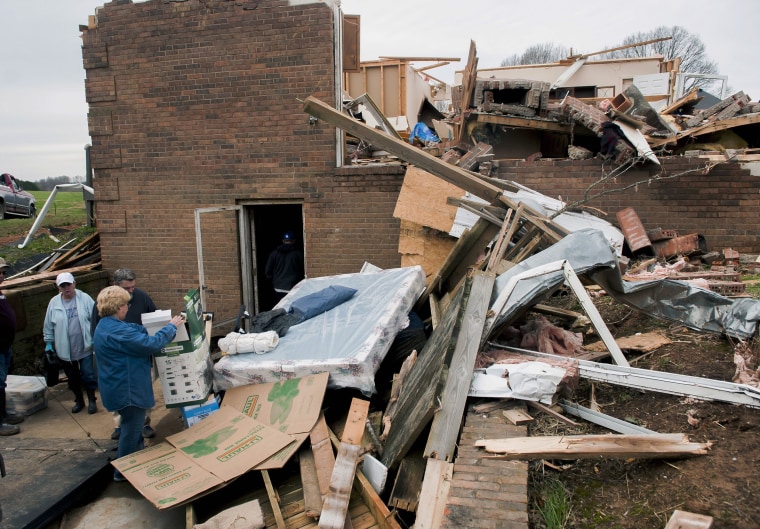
(349, 341)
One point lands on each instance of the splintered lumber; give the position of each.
(468, 333)
(435, 492)
(335, 506)
(654, 446)
(312, 498)
(407, 486)
(274, 499)
(324, 461)
(417, 399)
(454, 175)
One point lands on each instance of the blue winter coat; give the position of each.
(123, 351)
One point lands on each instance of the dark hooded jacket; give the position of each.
(285, 266)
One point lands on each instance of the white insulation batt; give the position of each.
(348, 341)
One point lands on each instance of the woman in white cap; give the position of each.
(67, 331)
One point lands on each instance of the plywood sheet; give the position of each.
(422, 200)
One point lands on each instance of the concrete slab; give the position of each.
(61, 461)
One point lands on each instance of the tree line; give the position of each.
(47, 184)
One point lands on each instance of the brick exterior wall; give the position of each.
(197, 105)
(722, 204)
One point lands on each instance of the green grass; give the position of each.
(555, 508)
(67, 210)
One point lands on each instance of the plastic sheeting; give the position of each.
(589, 252)
(348, 341)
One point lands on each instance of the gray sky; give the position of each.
(43, 114)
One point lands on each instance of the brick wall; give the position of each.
(722, 204)
(198, 105)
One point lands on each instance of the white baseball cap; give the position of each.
(64, 277)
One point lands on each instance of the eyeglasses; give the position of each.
(2, 271)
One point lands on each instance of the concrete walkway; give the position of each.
(59, 473)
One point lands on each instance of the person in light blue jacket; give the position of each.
(67, 332)
(124, 370)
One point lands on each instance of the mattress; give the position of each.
(349, 341)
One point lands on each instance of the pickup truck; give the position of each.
(13, 199)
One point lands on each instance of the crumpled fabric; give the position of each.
(258, 343)
(278, 320)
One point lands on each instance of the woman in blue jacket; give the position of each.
(124, 351)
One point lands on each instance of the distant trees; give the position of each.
(688, 46)
(538, 54)
(47, 184)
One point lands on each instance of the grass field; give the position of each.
(66, 219)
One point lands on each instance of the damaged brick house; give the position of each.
(202, 155)
(198, 132)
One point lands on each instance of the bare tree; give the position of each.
(547, 52)
(688, 46)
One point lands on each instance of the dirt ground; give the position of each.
(643, 493)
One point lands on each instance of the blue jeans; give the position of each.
(81, 373)
(131, 439)
(5, 365)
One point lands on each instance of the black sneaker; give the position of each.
(148, 432)
(116, 433)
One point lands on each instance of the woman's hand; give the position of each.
(178, 320)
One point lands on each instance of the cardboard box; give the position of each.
(292, 406)
(227, 444)
(197, 412)
(25, 395)
(184, 367)
(200, 459)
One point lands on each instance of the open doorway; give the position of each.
(269, 223)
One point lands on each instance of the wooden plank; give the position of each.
(408, 484)
(312, 497)
(547, 410)
(611, 446)
(689, 520)
(274, 500)
(416, 402)
(448, 420)
(324, 458)
(517, 416)
(465, 252)
(335, 507)
(44, 276)
(435, 492)
(450, 173)
(469, 77)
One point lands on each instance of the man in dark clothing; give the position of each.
(7, 335)
(285, 266)
(139, 304)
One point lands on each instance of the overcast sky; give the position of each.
(43, 114)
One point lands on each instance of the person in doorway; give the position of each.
(284, 266)
(67, 331)
(8, 423)
(124, 351)
(139, 303)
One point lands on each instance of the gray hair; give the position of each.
(123, 274)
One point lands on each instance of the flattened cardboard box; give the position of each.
(292, 406)
(201, 459)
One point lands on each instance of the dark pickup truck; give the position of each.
(13, 199)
